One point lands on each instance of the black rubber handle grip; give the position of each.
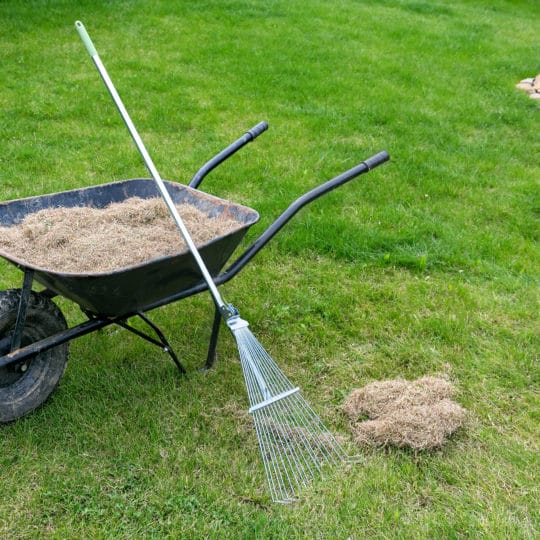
(255, 131)
(376, 160)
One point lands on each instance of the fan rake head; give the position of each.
(294, 442)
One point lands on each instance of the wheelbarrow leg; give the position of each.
(16, 338)
(211, 356)
(160, 342)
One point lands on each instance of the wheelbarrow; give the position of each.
(34, 334)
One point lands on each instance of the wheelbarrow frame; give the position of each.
(12, 352)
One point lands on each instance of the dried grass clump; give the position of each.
(93, 240)
(531, 85)
(416, 414)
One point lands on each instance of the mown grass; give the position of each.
(427, 265)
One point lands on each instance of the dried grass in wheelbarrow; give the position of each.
(84, 239)
(417, 414)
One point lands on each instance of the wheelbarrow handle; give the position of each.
(211, 164)
(364, 167)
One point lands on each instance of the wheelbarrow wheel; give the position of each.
(24, 386)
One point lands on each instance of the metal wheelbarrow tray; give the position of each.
(34, 335)
(120, 292)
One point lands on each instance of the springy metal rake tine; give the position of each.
(274, 462)
(296, 461)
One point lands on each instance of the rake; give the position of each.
(293, 441)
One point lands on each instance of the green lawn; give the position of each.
(429, 264)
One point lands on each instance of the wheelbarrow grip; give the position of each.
(376, 160)
(364, 167)
(249, 136)
(255, 131)
(86, 38)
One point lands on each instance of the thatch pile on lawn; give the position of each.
(417, 414)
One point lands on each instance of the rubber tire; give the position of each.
(22, 392)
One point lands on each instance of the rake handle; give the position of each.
(225, 309)
(85, 38)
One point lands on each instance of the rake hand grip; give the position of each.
(86, 38)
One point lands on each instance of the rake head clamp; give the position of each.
(273, 399)
(228, 312)
(234, 322)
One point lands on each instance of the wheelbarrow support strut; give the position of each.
(12, 344)
(160, 342)
(16, 337)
